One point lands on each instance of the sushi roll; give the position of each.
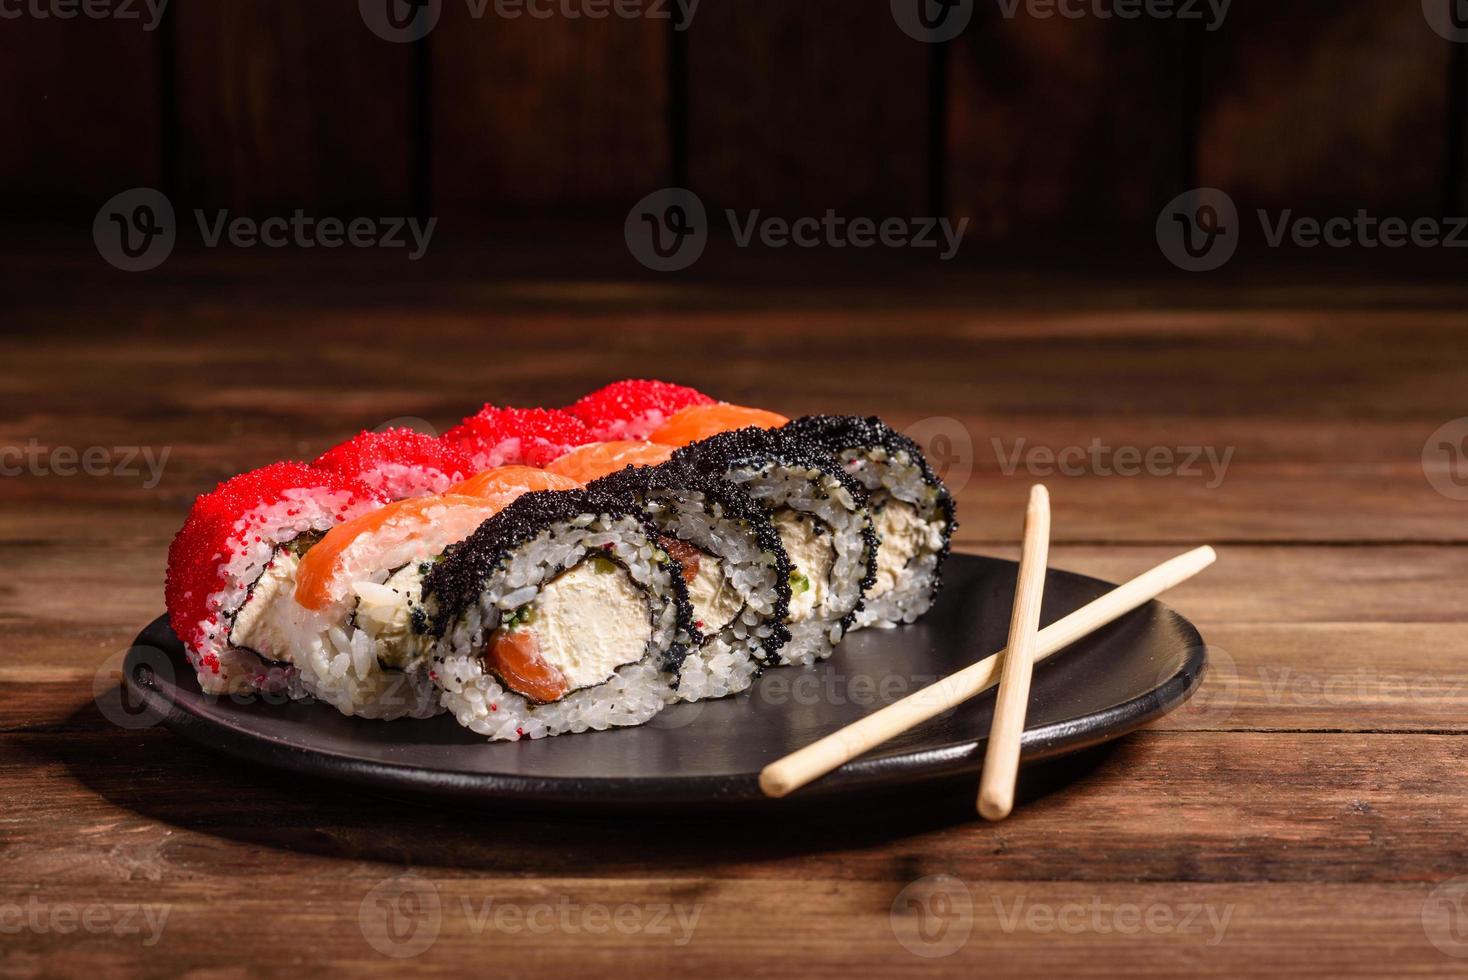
(912, 511)
(517, 436)
(360, 630)
(733, 564)
(233, 563)
(632, 409)
(356, 631)
(398, 463)
(559, 614)
(821, 517)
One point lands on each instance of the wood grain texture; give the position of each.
(1352, 397)
(164, 811)
(1298, 813)
(285, 105)
(549, 114)
(1306, 106)
(831, 98)
(1073, 126)
(1273, 825)
(72, 139)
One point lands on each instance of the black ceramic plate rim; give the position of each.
(902, 768)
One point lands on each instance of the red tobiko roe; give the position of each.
(368, 449)
(607, 411)
(544, 434)
(196, 556)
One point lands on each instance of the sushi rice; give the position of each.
(221, 568)
(912, 512)
(822, 519)
(358, 603)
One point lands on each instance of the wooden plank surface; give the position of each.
(286, 105)
(1262, 821)
(546, 114)
(78, 135)
(1237, 807)
(1297, 817)
(1338, 94)
(1067, 125)
(835, 118)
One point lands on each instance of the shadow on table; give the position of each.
(164, 778)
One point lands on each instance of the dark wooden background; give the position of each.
(1317, 785)
(1026, 126)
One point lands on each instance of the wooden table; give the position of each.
(1295, 818)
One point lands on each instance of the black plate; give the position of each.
(1104, 686)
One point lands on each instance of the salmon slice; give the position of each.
(597, 459)
(422, 526)
(688, 556)
(504, 484)
(701, 421)
(514, 655)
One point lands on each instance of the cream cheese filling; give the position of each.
(264, 622)
(901, 534)
(715, 600)
(808, 543)
(590, 620)
(385, 613)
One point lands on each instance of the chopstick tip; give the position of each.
(1039, 505)
(992, 808)
(772, 784)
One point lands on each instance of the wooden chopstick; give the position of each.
(1001, 758)
(821, 756)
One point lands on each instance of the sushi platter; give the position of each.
(709, 753)
(694, 588)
